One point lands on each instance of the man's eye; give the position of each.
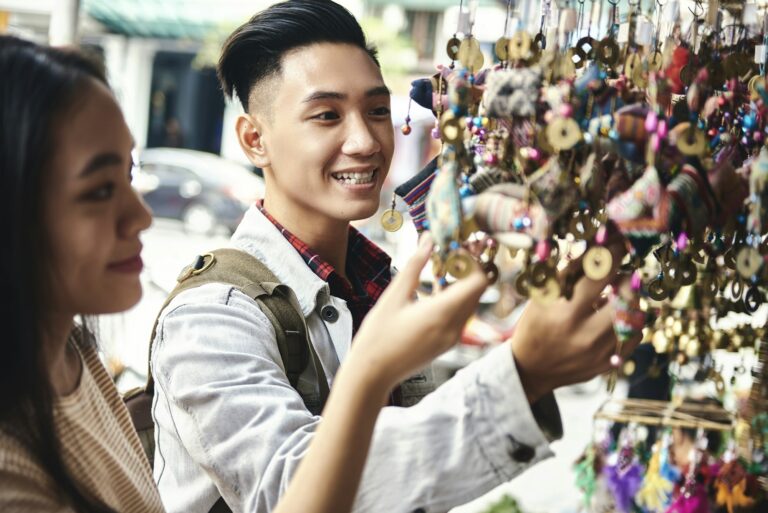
(381, 111)
(327, 116)
(102, 193)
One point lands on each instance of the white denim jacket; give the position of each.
(228, 422)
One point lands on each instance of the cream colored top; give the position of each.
(100, 449)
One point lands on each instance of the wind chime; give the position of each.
(613, 119)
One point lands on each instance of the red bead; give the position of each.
(405, 129)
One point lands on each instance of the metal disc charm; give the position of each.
(563, 134)
(452, 48)
(587, 45)
(633, 62)
(690, 142)
(547, 294)
(450, 128)
(748, 262)
(470, 55)
(391, 220)
(597, 263)
(656, 290)
(655, 61)
(688, 273)
(753, 300)
(459, 264)
(608, 51)
(502, 52)
(519, 45)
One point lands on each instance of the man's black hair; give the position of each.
(254, 51)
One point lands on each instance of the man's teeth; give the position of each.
(355, 178)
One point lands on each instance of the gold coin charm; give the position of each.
(639, 77)
(459, 264)
(563, 134)
(754, 94)
(566, 67)
(629, 368)
(690, 141)
(547, 294)
(608, 51)
(519, 45)
(748, 262)
(391, 220)
(522, 285)
(656, 290)
(633, 62)
(578, 57)
(597, 263)
(450, 128)
(470, 55)
(452, 48)
(502, 52)
(587, 45)
(655, 61)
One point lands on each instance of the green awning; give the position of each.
(432, 5)
(178, 19)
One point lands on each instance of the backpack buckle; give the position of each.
(202, 263)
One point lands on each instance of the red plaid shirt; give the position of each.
(368, 270)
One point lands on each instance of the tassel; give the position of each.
(655, 494)
(624, 479)
(586, 474)
(731, 485)
(692, 500)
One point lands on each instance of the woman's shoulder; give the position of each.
(18, 465)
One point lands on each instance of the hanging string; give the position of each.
(506, 21)
(458, 22)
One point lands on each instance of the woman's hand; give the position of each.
(400, 335)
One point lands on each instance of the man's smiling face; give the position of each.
(326, 132)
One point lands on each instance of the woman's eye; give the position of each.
(100, 193)
(327, 116)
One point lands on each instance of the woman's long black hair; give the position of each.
(37, 86)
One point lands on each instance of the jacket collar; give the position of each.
(261, 239)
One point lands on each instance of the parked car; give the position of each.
(206, 192)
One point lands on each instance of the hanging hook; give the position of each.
(698, 9)
(614, 4)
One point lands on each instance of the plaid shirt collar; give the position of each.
(368, 269)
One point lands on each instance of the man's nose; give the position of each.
(361, 138)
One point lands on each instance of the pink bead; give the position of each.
(758, 137)
(636, 282)
(533, 154)
(662, 129)
(435, 133)
(492, 159)
(542, 250)
(566, 110)
(655, 142)
(601, 235)
(682, 241)
(651, 121)
(615, 361)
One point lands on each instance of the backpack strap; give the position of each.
(278, 302)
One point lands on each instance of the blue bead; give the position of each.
(518, 224)
(454, 245)
(443, 282)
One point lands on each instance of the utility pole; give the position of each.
(64, 18)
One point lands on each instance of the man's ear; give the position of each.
(250, 135)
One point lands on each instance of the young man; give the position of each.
(228, 423)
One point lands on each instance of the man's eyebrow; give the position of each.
(333, 95)
(101, 161)
(324, 95)
(378, 91)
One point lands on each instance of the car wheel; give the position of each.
(199, 220)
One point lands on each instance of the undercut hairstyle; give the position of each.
(254, 51)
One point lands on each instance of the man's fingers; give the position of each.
(404, 284)
(587, 290)
(458, 301)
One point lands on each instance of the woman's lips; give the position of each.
(132, 265)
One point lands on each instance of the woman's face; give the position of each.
(93, 216)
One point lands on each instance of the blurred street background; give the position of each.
(160, 57)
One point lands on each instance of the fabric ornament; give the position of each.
(655, 494)
(512, 93)
(444, 205)
(731, 485)
(624, 478)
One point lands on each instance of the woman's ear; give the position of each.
(251, 137)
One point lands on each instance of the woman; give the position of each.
(72, 222)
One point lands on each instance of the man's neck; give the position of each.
(328, 238)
